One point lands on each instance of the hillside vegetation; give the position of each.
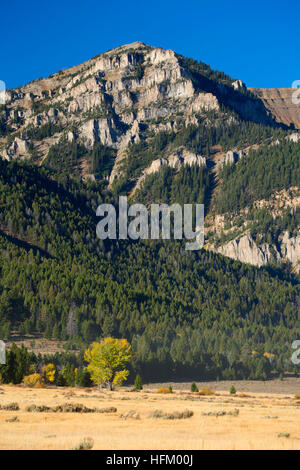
(150, 124)
(184, 312)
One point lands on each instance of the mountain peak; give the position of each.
(132, 45)
(116, 99)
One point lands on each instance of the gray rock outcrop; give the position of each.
(246, 250)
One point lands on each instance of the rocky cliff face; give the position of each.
(247, 250)
(182, 157)
(107, 99)
(279, 101)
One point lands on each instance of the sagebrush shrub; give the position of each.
(138, 384)
(165, 390)
(86, 444)
(175, 415)
(206, 391)
(11, 407)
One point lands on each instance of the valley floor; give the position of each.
(289, 385)
(261, 418)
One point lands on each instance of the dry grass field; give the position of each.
(261, 418)
(36, 343)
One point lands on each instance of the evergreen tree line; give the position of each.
(258, 175)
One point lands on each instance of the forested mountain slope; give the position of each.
(153, 125)
(185, 312)
(140, 114)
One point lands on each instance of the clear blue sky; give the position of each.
(256, 41)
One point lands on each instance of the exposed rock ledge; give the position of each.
(17, 149)
(230, 158)
(181, 157)
(246, 250)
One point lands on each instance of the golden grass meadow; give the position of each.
(263, 420)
